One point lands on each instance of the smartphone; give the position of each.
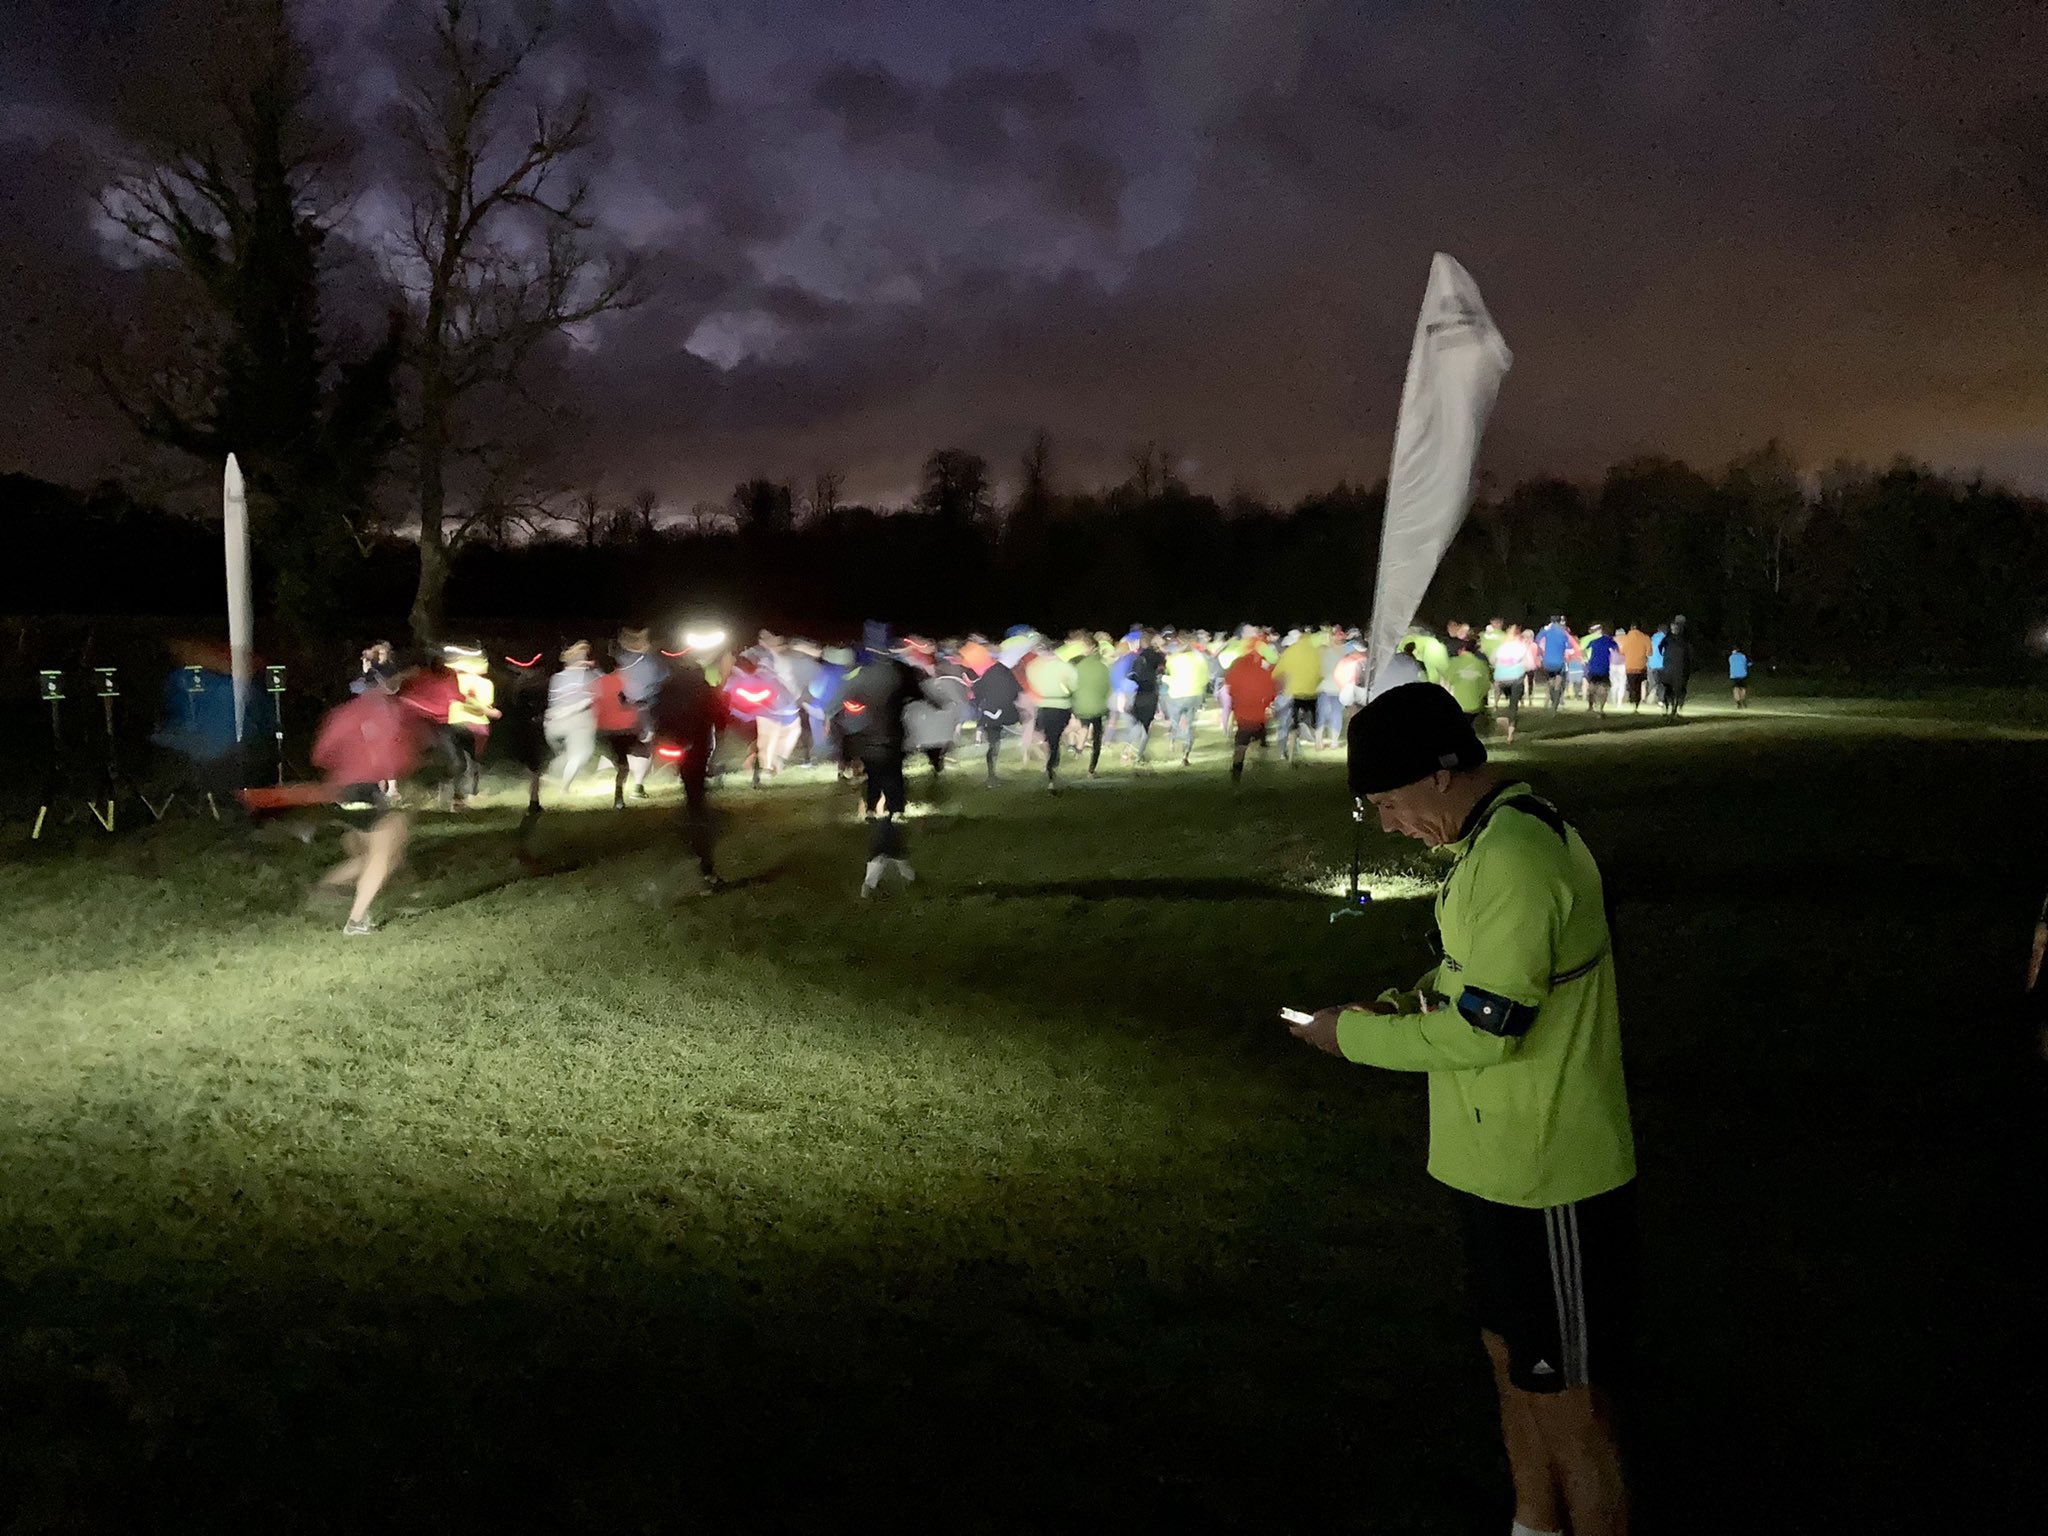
(1296, 1017)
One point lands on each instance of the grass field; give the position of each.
(578, 1200)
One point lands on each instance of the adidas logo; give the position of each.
(1541, 1368)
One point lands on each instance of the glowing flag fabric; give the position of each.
(1454, 372)
(241, 609)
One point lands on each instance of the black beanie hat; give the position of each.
(1406, 734)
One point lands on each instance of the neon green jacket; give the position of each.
(1091, 686)
(1490, 641)
(1187, 674)
(1299, 671)
(1434, 655)
(1470, 679)
(1052, 679)
(1531, 1119)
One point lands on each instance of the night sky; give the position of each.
(872, 229)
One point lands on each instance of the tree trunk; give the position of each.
(426, 601)
(433, 582)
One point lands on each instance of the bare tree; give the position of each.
(825, 489)
(497, 253)
(712, 517)
(955, 486)
(632, 520)
(1147, 477)
(763, 507)
(586, 514)
(1034, 488)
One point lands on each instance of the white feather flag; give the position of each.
(1454, 372)
(241, 609)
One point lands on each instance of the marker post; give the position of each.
(1357, 900)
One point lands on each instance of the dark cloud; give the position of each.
(872, 103)
(1207, 222)
(1085, 183)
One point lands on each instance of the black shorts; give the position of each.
(362, 806)
(1558, 1283)
(1247, 734)
(1305, 712)
(526, 743)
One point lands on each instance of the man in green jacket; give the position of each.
(1091, 690)
(1469, 678)
(1051, 677)
(1519, 1030)
(1299, 673)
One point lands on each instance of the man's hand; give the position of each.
(1321, 1029)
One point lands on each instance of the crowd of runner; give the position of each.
(1058, 703)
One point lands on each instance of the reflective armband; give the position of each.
(1497, 1015)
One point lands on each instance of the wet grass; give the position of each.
(1001, 1202)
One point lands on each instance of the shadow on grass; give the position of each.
(1214, 888)
(1034, 1355)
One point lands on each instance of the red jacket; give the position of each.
(431, 694)
(1250, 682)
(610, 706)
(368, 740)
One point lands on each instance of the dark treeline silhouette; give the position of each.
(1872, 569)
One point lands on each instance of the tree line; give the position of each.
(1861, 568)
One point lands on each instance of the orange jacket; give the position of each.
(1251, 686)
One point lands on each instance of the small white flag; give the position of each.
(241, 608)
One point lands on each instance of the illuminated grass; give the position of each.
(999, 1201)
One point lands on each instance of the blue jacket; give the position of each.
(201, 725)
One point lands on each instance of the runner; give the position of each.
(1677, 671)
(1553, 641)
(1299, 676)
(1468, 678)
(1738, 677)
(1330, 695)
(1050, 677)
(1602, 655)
(1513, 660)
(1187, 686)
(571, 719)
(623, 734)
(995, 709)
(524, 735)
(1252, 691)
(871, 723)
(1148, 674)
(372, 740)
(1635, 661)
(687, 713)
(1091, 693)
